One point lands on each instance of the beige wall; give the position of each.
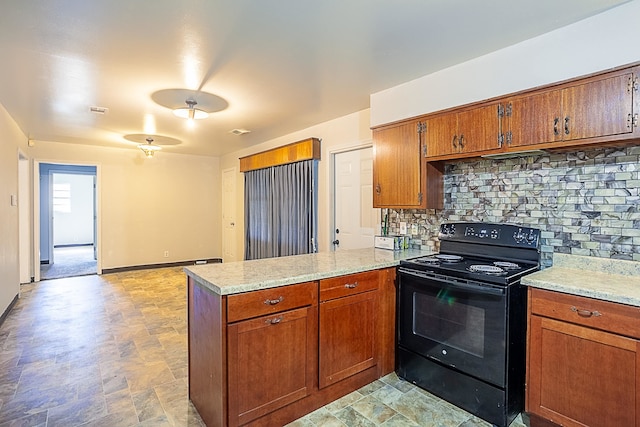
(147, 206)
(603, 41)
(10, 139)
(341, 134)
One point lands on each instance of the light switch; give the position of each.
(403, 228)
(14, 200)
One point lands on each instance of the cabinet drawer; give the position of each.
(608, 316)
(351, 284)
(269, 301)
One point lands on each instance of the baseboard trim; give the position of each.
(164, 265)
(8, 310)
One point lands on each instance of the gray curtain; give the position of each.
(280, 210)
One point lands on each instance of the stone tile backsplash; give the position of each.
(585, 202)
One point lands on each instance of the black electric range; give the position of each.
(498, 254)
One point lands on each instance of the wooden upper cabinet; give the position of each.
(455, 134)
(597, 107)
(400, 177)
(441, 133)
(602, 107)
(534, 119)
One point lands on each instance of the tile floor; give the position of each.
(111, 351)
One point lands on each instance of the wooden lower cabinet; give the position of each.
(583, 361)
(348, 329)
(283, 354)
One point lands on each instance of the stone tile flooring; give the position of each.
(111, 351)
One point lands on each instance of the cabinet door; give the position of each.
(441, 135)
(579, 376)
(598, 108)
(478, 129)
(271, 362)
(535, 119)
(347, 336)
(396, 166)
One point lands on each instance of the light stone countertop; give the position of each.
(243, 276)
(600, 278)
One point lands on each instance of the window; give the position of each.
(62, 197)
(280, 210)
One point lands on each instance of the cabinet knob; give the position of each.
(351, 285)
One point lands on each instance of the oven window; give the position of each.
(444, 319)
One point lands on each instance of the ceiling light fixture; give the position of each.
(148, 148)
(190, 111)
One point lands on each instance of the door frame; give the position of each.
(332, 184)
(36, 212)
(25, 254)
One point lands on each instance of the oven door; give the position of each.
(457, 323)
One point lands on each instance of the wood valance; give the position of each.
(306, 149)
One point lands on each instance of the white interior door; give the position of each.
(229, 214)
(355, 219)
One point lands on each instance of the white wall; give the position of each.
(10, 139)
(598, 43)
(74, 227)
(345, 132)
(148, 206)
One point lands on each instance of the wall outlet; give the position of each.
(414, 229)
(166, 254)
(403, 228)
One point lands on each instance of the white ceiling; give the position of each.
(281, 65)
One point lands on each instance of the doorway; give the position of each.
(355, 219)
(68, 230)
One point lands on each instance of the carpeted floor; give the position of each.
(69, 262)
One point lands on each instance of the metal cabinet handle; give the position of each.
(273, 321)
(351, 285)
(585, 313)
(556, 132)
(454, 141)
(378, 189)
(274, 301)
(462, 141)
(566, 125)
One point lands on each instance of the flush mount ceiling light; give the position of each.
(148, 148)
(190, 111)
(198, 104)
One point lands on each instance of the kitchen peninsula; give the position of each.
(273, 339)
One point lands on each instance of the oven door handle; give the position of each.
(451, 282)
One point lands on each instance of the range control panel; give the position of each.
(497, 234)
